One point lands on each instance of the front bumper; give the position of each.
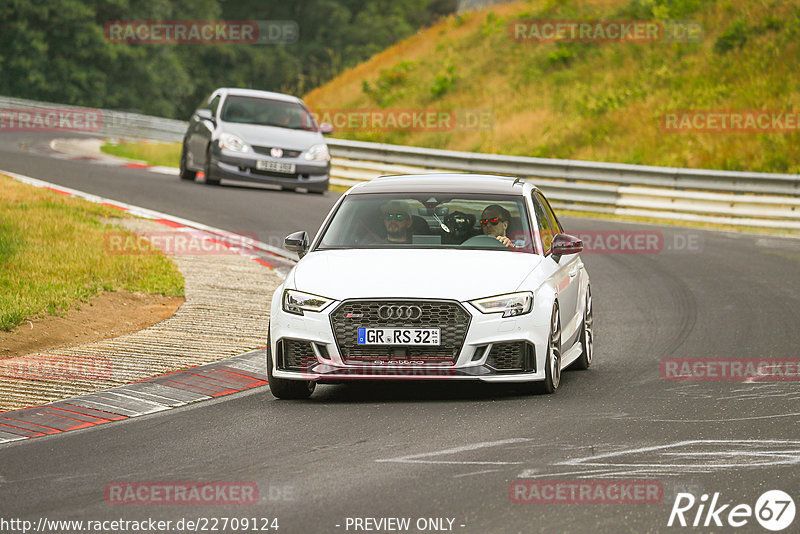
(476, 358)
(226, 164)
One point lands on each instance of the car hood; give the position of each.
(255, 134)
(447, 274)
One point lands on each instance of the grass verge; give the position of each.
(591, 101)
(53, 255)
(153, 153)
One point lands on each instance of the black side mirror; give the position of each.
(564, 245)
(297, 242)
(205, 114)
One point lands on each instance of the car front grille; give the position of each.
(295, 355)
(286, 153)
(516, 356)
(273, 173)
(449, 316)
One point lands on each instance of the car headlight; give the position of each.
(509, 305)
(318, 153)
(232, 142)
(297, 301)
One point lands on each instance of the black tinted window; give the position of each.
(252, 110)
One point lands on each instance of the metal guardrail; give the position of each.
(723, 197)
(727, 197)
(112, 123)
(573, 170)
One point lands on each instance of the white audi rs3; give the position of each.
(432, 277)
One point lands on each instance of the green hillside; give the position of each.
(602, 101)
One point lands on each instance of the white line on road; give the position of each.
(476, 473)
(693, 456)
(415, 458)
(585, 461)
(794, 414)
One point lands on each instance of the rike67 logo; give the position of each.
(774, 510)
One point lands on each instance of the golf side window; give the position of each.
(542, 221)
(551, 216)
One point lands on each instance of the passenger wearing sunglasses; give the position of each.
(397, 220)
(494, 222)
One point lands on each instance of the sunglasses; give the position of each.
(495, 221)
(399, 216)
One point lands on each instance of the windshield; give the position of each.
(252, 110)
(492, 222)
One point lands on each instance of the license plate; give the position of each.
(398, 336)
(275, 166)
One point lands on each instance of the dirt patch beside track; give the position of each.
(108, 315)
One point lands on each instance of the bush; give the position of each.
(384, 90)
(735, 36)
(443, 82)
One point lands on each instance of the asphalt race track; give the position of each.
(451, 450)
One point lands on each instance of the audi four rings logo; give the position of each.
(400, 312)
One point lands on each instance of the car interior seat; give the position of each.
(419, 226)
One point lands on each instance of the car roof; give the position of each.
(441, 183)
(258, 94)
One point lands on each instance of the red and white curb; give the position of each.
(205, 382)
(80, 149)
(172, 171)
(160, 393)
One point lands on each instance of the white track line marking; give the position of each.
(415, 458)
(739, 454)
(535, 473)
(476, 473)
(582, 461)
(725, 420)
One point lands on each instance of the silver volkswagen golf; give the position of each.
(256, 136)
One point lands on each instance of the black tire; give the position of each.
(185, 173)
(210, 180)
(288, 188)
(552, 369)
(287, 389)
(587, 335)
